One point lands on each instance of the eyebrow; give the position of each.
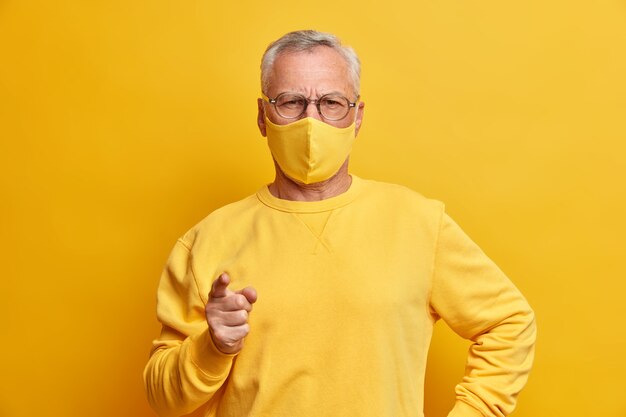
(335, 92)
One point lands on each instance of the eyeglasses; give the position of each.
(330, 106)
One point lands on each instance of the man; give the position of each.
(351, 276)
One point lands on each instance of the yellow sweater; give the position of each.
(349, 290)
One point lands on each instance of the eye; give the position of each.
(291, 101)
(332, 102)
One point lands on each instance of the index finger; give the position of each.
(219, 287)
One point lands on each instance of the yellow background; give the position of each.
(123, 123)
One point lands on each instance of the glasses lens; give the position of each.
(334, 107)
(290, 105)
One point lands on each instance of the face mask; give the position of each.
(309, 150)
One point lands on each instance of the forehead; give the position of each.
(315, 72)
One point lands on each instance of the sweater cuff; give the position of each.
(206, 356)
(462, 409)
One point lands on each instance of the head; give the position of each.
(312, 64)
(306, 41)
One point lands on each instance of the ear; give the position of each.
(260, 121)
(359, 117)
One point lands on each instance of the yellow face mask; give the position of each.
(309, 150)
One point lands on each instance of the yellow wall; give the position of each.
(122, 123)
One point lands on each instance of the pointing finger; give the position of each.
(219, 287)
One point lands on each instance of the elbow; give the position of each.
(160, 393)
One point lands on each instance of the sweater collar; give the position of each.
(266, 197)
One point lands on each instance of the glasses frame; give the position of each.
(308, 101)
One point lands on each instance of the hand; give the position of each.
(227, 314)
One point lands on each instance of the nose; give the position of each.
(311, 110)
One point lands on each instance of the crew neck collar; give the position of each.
(318, 206)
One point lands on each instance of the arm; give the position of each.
(478, 302)
(185, 370)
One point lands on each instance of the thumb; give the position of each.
(249, 293)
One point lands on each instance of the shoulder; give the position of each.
(228, 218)
(400, 197)
(401, 210)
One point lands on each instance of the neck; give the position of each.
(285, 188)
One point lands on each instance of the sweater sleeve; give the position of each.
(480, 303)
(185, 370)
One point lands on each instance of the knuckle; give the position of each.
(232, 340)
(239, 301)
(213, 322)
(231, 343)
(211, 309)
(219, 335)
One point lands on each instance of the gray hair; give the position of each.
(306, 40)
